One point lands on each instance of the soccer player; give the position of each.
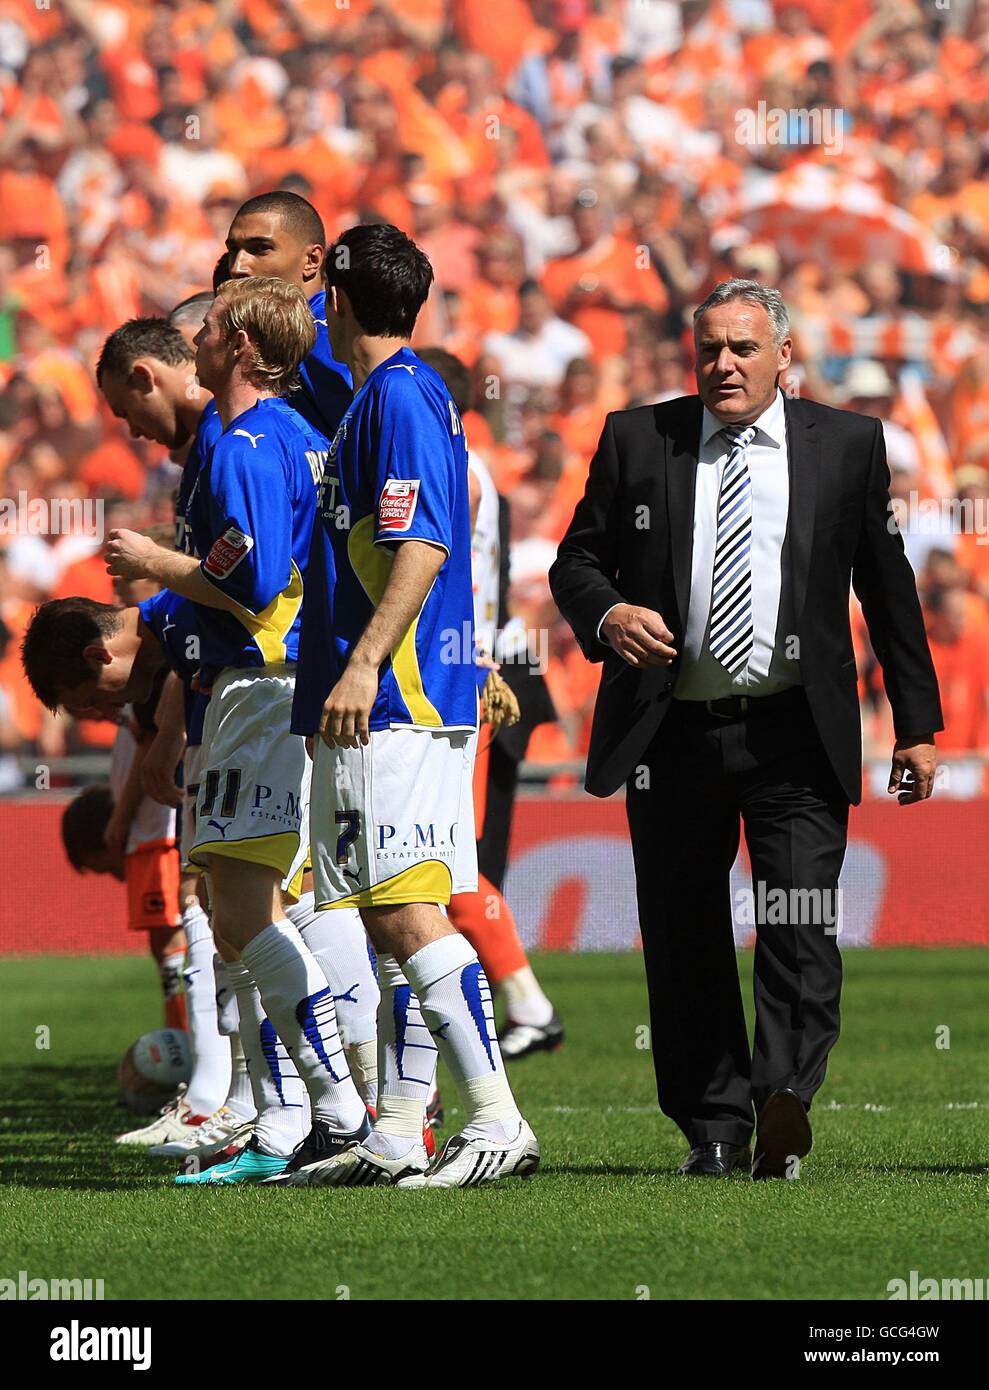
(93, 660)
(281, 235)
(484, 917)
(147, 374)
(388, 701)
(251, 518)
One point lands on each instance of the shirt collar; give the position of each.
(771, 424)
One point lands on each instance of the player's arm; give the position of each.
(344, 720)
(125, 808)
(416, 483)
(245, 500)
(133, 556)
(167, 746)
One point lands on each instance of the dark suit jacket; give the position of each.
(631, 538)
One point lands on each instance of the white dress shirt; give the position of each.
(769, 668)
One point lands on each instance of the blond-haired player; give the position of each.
(250, 521)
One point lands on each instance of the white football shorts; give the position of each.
(393, 821)
(253, 800)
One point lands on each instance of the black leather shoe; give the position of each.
(783, 1134)
(715, 1160)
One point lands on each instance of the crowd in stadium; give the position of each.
(578, 174)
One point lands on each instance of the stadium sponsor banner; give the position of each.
(913, 876)
(46, 908)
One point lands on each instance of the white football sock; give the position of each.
(279, 1094)
(240, 1097)
(227, 1018)
(524, 998)
(210, 1078)
(339, 942)
(299, 1003)
(170, 968)
(456, 1003)
(406, 1065)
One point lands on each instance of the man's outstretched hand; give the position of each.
(916, 759)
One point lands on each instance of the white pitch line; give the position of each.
(874, 1107)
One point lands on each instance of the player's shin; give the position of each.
(299, 1002)
(170, 967)
(227, 1015)
(279, 1094)
(407, 1059)
(488, 923)
(339, 942)
(240, 1096)
(457, 1007)
(210, 1078)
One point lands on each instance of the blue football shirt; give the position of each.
(250, 520)
(397, 470)
(325, 385)
(208, 431)
(174, 620)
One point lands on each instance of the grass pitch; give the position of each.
(896, 1181)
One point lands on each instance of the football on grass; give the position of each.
(153, 1068)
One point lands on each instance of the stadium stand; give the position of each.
(580, 181)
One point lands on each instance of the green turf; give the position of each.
(896, 1180)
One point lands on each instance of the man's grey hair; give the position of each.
(753, 293)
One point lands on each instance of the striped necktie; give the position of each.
(730, 638)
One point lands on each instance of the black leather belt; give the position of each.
(742, 706)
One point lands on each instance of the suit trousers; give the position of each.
(704, 776)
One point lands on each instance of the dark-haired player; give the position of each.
(389, 702)
(281, 235)
(92, 660)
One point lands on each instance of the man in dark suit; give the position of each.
(708, 566)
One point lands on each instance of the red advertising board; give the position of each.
(913, 876)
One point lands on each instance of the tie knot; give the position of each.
(739, 436)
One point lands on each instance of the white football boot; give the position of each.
(223, 1129)
(522, 1039)
(176, 1121)
(361, 1167)
(470, 1162)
